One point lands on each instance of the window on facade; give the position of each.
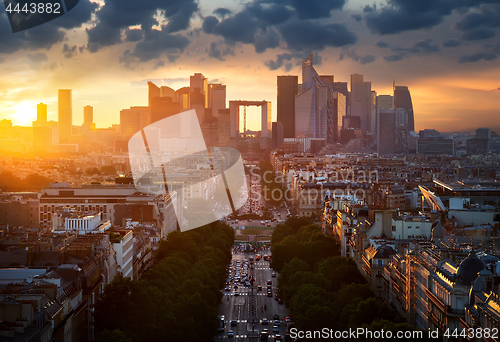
(417, 227)
(380, 262)
(393, 228)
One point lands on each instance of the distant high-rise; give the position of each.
(312, 107)
(216, 98)
(360, 101)
(287, 90)
(373, 112)
(338, 112)
(198, 92)
(64, 115)
(402, 99)
(277, 137)
(133, 120)
(41, 113)
(153, 91)
(386, 132)
(88, 117)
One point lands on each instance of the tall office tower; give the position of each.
(312, 106)
(373, 112)
(277, 137)
(338, 112)
(401, 119)
(402, 99)
(360, 101)
(224, 127)
(162, 102)
(216, 98)
(41, 130)
(163, 107)
(88, 117)
(382, 102)
(64, 115)
(182, 96)
(198, 91)
(386, 132)
(287, 90)
(198, 88)
(133, 120)
(153, 91)
(483, 134)
(41, 113)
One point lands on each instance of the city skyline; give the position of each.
(445, 60)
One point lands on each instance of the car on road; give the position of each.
(273, 274)
(236, 293)
(227, 289)
(269, 294)
(259, 288)
(276, 329)
(265, 321)
(276, 317)
(264, 334)
(269, 282)
(230, 333)
(234, 323)
(277, 337)
(288, 319)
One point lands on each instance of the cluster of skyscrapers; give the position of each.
(320, 108)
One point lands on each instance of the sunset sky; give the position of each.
(446, 51)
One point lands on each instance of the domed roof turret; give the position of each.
(469, 268)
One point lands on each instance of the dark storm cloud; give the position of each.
(261, 22)
(351, 53)
(69, 51)
(315, 9)
(421, 47)
(218, 52)
(133, 35)
(46, 35)
(424, 46)
(479, 33)
(395, 58)
(75, 18)
(116, 15)
(368, 9)
(222, 12)
(307, 35)
(451, 43)
(357, 17)
(489, 16)
(279, 62)
(382, 44)
(241, 27)
(405, 15)
(477, 57)
(153, 46)
(268, 39)
(271, 15)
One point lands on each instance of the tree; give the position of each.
(108, 169)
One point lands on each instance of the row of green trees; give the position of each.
(322, 289)
(178, 298)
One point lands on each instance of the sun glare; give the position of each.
(24, 113)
